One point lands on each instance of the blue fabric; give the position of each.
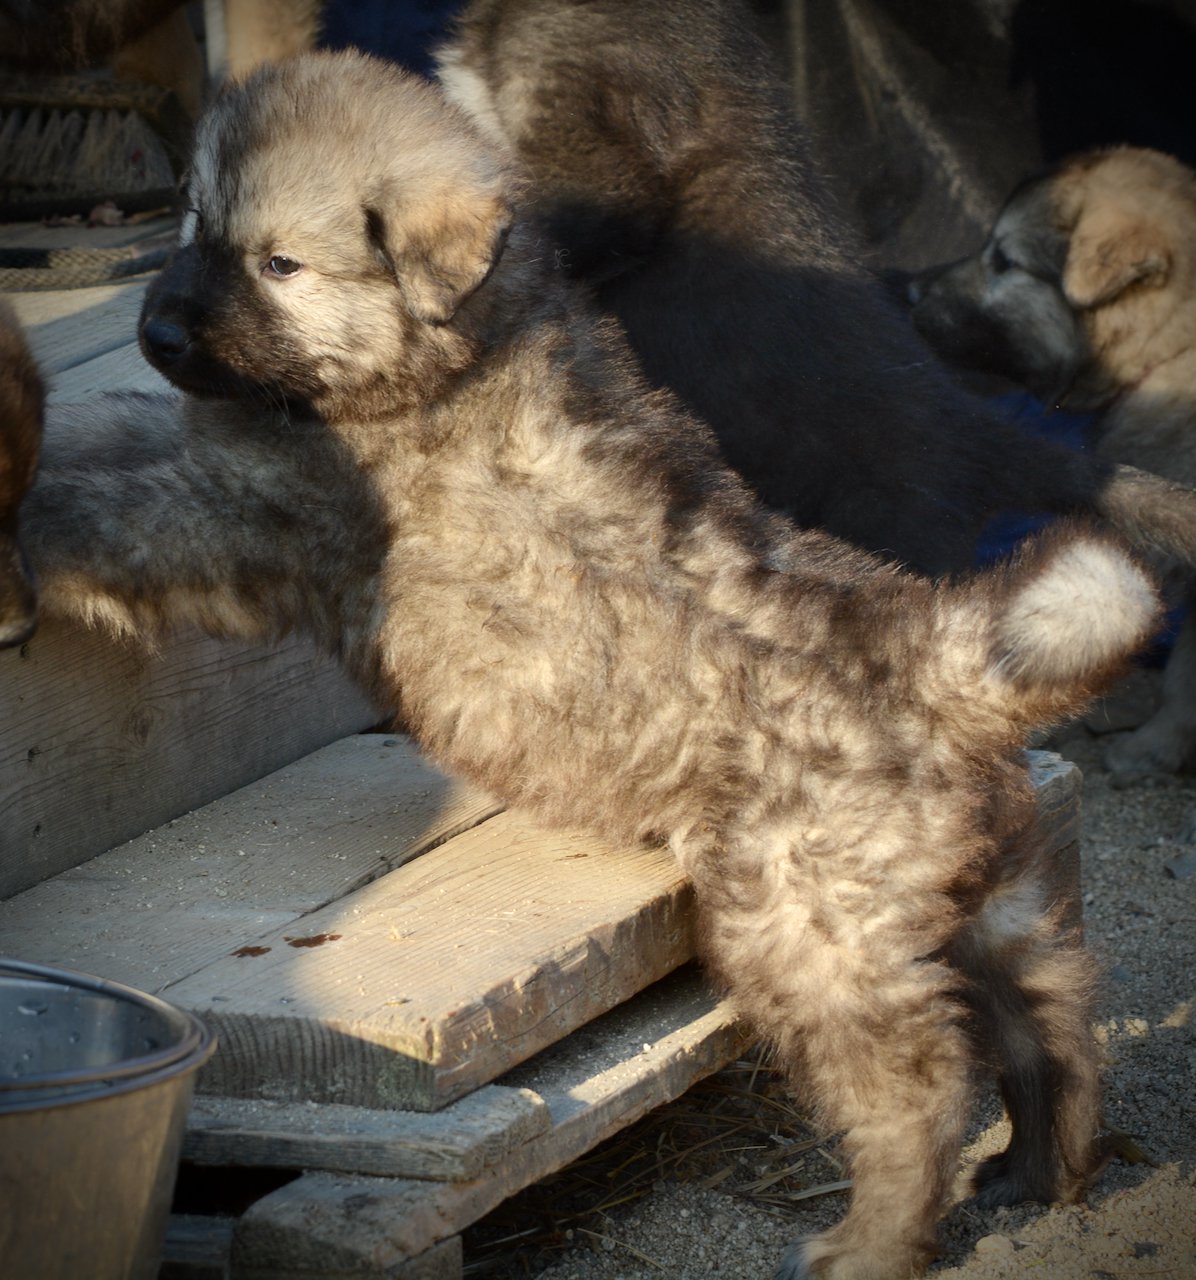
(405, 31)
(1004, 533)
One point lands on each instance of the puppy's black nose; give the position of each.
(164, 342)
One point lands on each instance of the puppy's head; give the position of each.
(1003, 310)
(340, 216)
(20, 437)
(1083, 274)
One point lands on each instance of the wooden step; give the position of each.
(336, 965)
(102, 740)
(168, 904)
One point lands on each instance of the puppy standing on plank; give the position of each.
(404, 435)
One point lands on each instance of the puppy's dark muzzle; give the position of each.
(164, 342)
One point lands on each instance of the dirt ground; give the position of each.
(665, 1201)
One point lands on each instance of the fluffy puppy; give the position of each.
(21, 399)
(1085, 292)
(404, 435)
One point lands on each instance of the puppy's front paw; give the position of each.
(1145, 755)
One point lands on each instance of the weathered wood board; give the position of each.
(433, 980)
(258, 912)
(85, 340)
(122, 369)
(599, 1080)
(172, 901)
(101, 740)
(457, 1144)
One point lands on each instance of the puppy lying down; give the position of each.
(403, 435)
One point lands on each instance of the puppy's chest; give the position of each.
(509, 561)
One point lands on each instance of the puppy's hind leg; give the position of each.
(875, 1035)
(1031, 989)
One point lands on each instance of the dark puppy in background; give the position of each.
(1085, 292)
(21, 399)
(662, 146)
(405, 435)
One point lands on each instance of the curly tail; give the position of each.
(1072, 609)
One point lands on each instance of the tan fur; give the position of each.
(258, 31)
(480, 508)
(1097, 312)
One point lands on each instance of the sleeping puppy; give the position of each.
(1085, 292)
(21, 398)
(404, 434)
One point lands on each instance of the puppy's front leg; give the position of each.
(149, 513)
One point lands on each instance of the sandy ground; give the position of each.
(1140, 908)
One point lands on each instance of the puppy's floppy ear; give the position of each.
(440, 249)
(1110, 250)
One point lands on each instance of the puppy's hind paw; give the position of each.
(793, 1264)
(997, 1183)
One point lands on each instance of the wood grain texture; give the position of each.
(100, 741)
(434, 980)
(214, 881)
(459, 1143)
(123, 368)
(444, 1261)
(637, 1057)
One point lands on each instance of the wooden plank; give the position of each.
(444, 1261)
(200, 1248)
(67, 327)
(178, 898)
(432, 981)
(461, 1142)
(100, 740)
(1057, 787)
(637, 1057)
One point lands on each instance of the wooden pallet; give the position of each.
(379, 949)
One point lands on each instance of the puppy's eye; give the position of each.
(282, 267)
(1000, 260)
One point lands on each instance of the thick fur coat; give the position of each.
(1085, 292)
(405, 435)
